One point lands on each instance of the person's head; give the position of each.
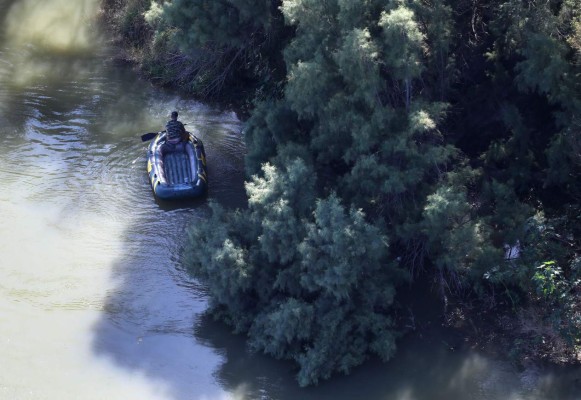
(174, 115)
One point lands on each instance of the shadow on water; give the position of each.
(147, 325)
(146, 328)
(424, 369)
(170, 205)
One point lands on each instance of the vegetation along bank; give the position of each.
(389, 142)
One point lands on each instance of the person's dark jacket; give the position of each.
(175, 130)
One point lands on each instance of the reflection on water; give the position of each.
(424, 369)
(93, 301)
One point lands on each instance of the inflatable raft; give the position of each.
(177, 171)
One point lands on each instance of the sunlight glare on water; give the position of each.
(54, 25)
(36, 31)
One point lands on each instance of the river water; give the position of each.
(93, 301)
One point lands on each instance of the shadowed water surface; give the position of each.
(93, 301)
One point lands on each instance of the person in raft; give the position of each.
(176, 132)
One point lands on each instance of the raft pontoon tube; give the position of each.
(177, 171)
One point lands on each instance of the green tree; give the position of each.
(347, 131)
(312, 285)
(227, 47)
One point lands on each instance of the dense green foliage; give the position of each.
(289, 273)
(210, 48)
(388, 138)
